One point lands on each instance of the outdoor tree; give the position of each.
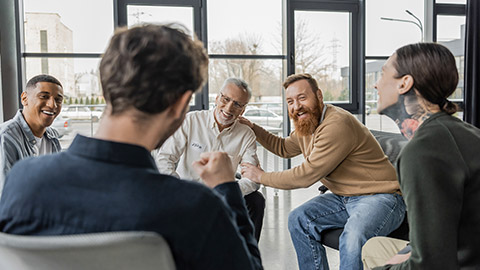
(255, 72)
(311, 57)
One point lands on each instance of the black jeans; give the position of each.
(256, 208)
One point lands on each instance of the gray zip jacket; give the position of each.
(17, 142)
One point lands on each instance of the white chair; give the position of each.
(109, 250)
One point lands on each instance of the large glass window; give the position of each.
(235, 27)
(247, 44)
(451, 33)
(160, 14)
(59, 26)
(449, 22)
(324, 51)
(389, 25)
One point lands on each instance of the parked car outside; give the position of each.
(62, 125)
(368, 109)
(81, 113)
(274, 107)
(263, 117)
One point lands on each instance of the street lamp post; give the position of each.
(418, 23)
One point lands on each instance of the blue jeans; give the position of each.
(362, 218)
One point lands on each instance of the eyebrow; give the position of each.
(46, 92)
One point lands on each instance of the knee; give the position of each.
(296, 219)
(352, 240)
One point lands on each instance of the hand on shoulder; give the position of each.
(245, 121)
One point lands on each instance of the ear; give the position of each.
(24, 98)
(319, 96)
(405, 84)
(180, 107)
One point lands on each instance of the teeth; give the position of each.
(49, 113)
(227, 114)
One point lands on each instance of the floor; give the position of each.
(275, 244)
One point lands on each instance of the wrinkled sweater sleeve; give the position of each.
(283, 147)
(332, 143)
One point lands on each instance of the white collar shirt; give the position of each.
(199, 133)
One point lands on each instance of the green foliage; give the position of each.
(344, 94)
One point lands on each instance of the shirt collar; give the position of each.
(50, 133)
(23, 124)
(111, 152)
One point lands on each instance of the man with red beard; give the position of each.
(340, 152)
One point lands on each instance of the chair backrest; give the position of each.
(109, 250)
(391, 143)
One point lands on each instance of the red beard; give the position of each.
(306, 127)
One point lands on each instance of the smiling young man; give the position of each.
(341, 153)
(217, 130)
(29, 132)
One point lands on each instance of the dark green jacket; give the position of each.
(439, 174)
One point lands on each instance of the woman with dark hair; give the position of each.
(438, 170)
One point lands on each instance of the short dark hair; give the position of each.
(42, 78)
(302, 76)
(148, 67)
(433, 69)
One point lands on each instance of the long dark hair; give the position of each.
(434, 72)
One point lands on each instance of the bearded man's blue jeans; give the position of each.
(362, 218)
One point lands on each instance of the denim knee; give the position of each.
(296, 219)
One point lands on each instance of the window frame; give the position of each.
(445, 9)
(356, 42)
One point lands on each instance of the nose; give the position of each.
(51, 103)
(296, 105)
(229, 106)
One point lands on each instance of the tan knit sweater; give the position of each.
(342, 153)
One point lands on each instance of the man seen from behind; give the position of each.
(110, 182)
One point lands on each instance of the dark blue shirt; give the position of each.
(99, 186)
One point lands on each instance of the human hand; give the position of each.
(245, 121)
(214, 168)
(399, 258)
(252, 172)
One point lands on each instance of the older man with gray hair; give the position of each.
(217, 130)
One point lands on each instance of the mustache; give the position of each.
(294, 115)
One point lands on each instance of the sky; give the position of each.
(92, 23)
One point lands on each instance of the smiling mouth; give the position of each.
(48, 113)
(302, 114)
(226, 115)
